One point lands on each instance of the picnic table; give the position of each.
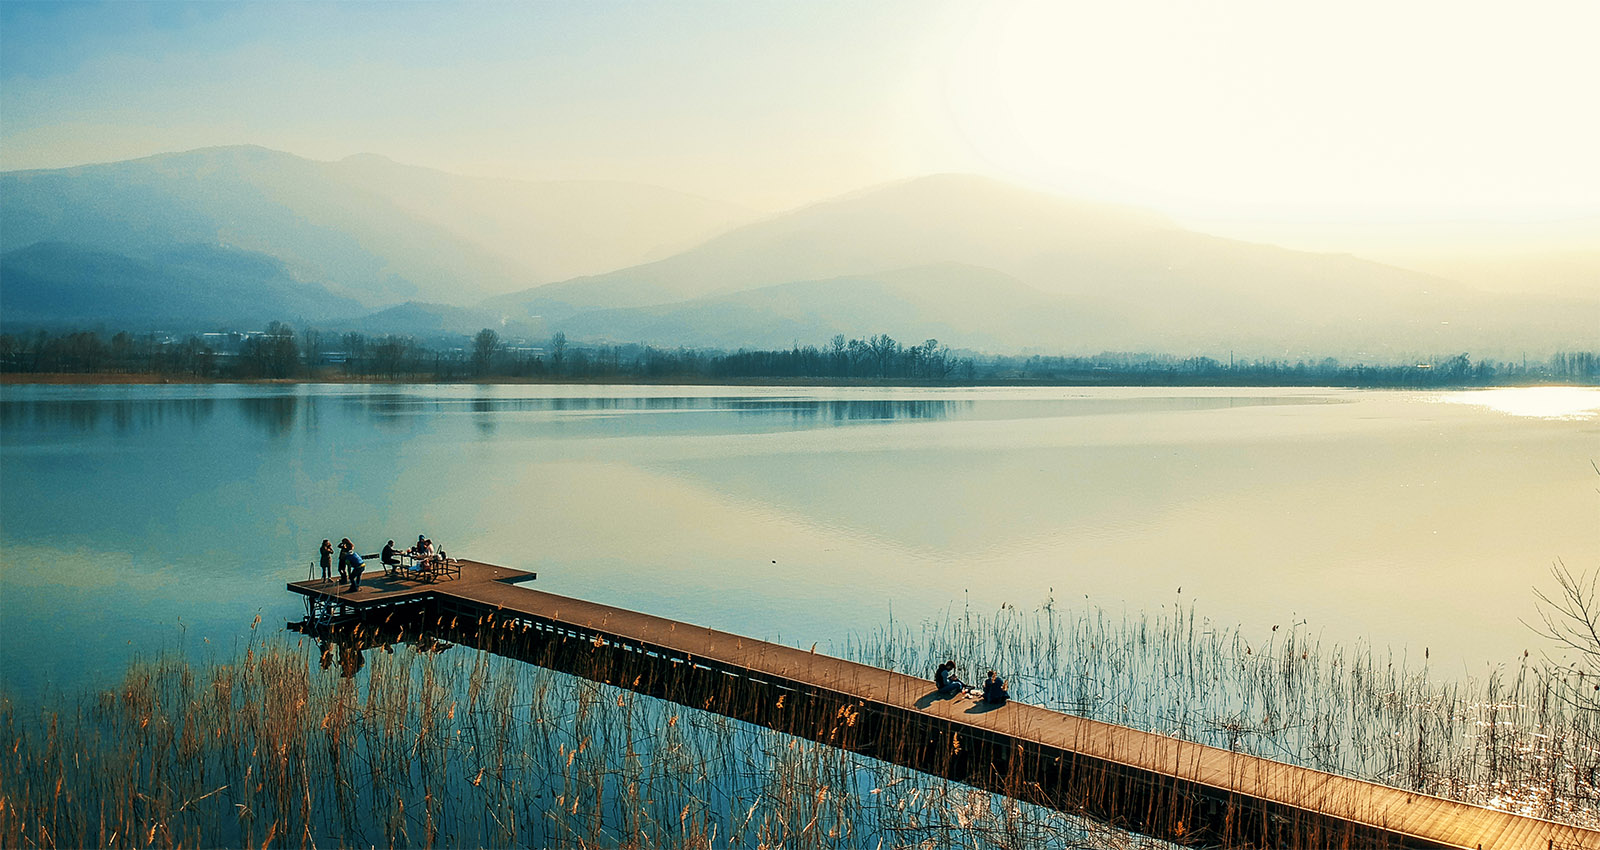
(435, 567)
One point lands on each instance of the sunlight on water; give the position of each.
(793, 514)
(1534, 402)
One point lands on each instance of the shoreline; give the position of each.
(146, 378)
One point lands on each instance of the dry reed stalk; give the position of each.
(421, 746)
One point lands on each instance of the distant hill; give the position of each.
(957, 304)
(246, 234)
(949, 218)
(1095, 276)
(425, 319)
(194, 286)
(373, 230)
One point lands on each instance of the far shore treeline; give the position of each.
(279, 352)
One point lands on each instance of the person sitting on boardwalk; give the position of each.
(327, 559)
(945, 679)
(994, 690)
(390, 555)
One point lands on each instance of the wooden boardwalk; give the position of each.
(1173, 789)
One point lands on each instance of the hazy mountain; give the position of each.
(1098, 277)
(940, 219)
(421, 318)
(372, 229)
(957, 304)
(184, 287)
(967, 260)
(1570, 273)
(555, 229)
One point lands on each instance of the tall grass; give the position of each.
(415, 746)
(1519, 739)
(295, 743)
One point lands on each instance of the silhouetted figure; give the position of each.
(345, 548)
(994, 690)
(356, 569)
(327, 559)
(390, 555)
(945, 679)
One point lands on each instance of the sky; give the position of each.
(1246, 117)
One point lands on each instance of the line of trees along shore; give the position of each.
(280, 352)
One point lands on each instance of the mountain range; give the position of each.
(364, 243)
(365, 227)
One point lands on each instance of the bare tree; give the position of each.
(558, 349)
(884, 348)
(389, 356)
(484, 346)
(1570, 617)
(311, 349)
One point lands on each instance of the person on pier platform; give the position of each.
(345, 548)
(427, 554)
(327, 559)
(994, 690)
(356, 569)
(391, 555)
(945, 679)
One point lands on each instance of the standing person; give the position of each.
(994, 690)
(345, 549)
(327, 558)
(945, 679)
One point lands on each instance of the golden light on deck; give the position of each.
(1535, 402)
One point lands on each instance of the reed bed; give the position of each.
(299, 744)
(1525, 738)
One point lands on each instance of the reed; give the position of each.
(1513, 739)
(422, 747)
(298, 744)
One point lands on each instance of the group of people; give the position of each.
(422, 555)
(994, 688)
(351, 565)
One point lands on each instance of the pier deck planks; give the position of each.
(1428, 820)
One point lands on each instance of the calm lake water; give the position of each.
(138, 518)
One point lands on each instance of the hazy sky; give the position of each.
(1243, 113)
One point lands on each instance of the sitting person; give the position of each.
(424, 556)
(945, 679)
(994, 690)
(390, 555)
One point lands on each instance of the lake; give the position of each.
(140, 518)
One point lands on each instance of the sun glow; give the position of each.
(1395, 110)
(1534, 402)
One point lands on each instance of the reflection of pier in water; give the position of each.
(1171, 789)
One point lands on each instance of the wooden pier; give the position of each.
(1164, 787)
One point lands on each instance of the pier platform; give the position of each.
(1176, 790)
